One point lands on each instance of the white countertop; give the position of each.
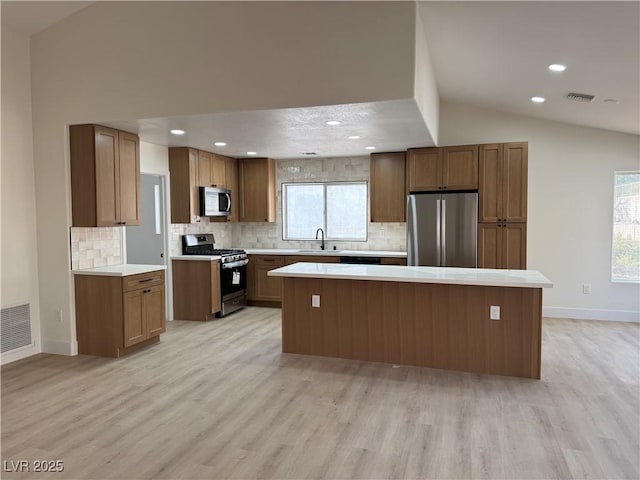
(120, 270)
(393, 273)
(331, 253)
(196, 257)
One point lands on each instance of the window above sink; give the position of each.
(339, 208)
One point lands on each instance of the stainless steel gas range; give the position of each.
(233, 269)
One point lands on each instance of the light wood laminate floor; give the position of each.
(219, 400)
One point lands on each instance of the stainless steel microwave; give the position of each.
(215, 202)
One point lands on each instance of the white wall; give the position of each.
(570, 204)
(18, 262)
(154, 158)
(131, 60)
(425, 88)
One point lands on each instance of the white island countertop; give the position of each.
(393, 273)
(331, 253)
(123, 270)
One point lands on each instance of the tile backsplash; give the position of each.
(222, 232)
(381, 236)
(95, 247)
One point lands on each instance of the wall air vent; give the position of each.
(580, 97)
(15, 323)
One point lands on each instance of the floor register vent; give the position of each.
(15, 327)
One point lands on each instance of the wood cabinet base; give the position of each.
(429, 325)
(118, 315)
(196, 289)
(264, 303)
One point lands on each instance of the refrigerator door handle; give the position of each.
(439, 220)
(443, 263)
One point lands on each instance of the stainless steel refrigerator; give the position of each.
(442, 229)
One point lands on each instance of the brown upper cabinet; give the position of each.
(388, 185)
(218, 171)
(205, 160)
(183, 167)
(191, 169)
(503, 182)
(257, 190)
(105, 176)
(231, 175)
(442, 168)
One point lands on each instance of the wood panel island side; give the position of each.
(437, 317)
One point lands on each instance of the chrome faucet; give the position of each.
(322, 241)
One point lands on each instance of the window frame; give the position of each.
(613, 228)
(324, 210)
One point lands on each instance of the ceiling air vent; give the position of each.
(309, 153)
(580, 97)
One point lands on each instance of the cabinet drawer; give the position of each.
(141, 280)
(311, 259)
(393, 261)
(274, 261)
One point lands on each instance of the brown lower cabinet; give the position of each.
(196, 289)
(260, 287)
(117, 315)
(393, 261)
(502, 245)
(291, 259)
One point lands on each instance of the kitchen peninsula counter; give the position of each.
(425, 316)
(122, 270)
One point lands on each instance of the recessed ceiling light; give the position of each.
(537, 99)
(251, 153)
(177, 132)
(370, 148)
(556, 67)
(220, 144)
(354, 137)
(333, 122)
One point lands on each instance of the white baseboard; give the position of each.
(592, 314)
(59, 347)
(19, 354)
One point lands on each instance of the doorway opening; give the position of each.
(146, 243)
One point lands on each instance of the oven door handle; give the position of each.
(239, 263)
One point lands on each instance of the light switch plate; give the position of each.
(315, 301)
(494, 312)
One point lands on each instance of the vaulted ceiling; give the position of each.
(488, 54)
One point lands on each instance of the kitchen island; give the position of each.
(436, 317)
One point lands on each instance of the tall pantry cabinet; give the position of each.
(502, 228)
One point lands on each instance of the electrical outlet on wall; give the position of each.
(59, 316)
(315, 301)
(586, 288)
(494, 312)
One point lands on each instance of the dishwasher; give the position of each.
(361, 260)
